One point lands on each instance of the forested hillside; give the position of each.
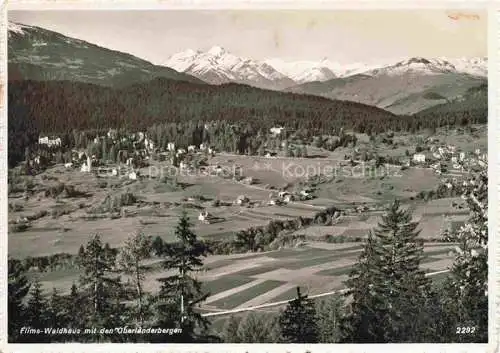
(473, 103)
(39, 54)
(60, 105)
(63, 106)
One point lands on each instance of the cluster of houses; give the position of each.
(50, 141)
(191, 148)
(205, 217)
(275, 131)
(143, 147)
(90, 164)
(281, 198)
(183, 156)
(441, 155)
(440, 158)
(286, 197)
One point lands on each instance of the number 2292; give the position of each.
(465, 330)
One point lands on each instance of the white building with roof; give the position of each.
(242, 199)
(419, 158)
(55, 141)
(87, 166)
(276, 130)
(132, 176)
(203, 216)
(112, 133)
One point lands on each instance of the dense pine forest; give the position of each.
(473, 103)
(61, 107)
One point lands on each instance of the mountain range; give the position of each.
(218, 65)
(404, 87)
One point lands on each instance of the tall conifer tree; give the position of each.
(37, 313)
(181, 292)
(137, 248)
(388, 289)
(18, 288)
(101, 291)
(298, 321)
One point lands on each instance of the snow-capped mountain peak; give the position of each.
(302, 71)
(17, 28)
(477, 66)
(217, 50)
(323, 70)
(217, 65)
(433, 64)
(415, 65)
(191, 52)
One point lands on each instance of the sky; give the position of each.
(367, 36)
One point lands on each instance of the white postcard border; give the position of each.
(493, 187)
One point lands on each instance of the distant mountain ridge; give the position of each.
(474, 66)
(218, 65)
(40, 54)
(406, 87)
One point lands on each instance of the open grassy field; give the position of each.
(232, 281)
(246, 295)
(385, 186)
(218, 322)
(158, 212)
(254, 279)
(315, 270)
